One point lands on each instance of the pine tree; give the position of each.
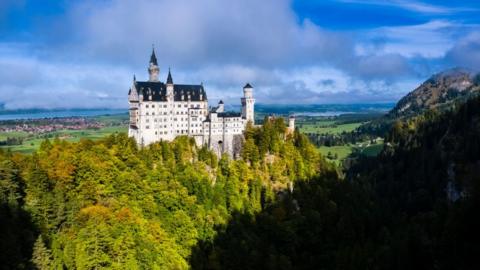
(41, 257)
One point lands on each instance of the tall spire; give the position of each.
(153, 58)
(169, 77)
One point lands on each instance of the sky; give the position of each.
(84, 54)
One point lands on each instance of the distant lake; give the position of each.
(39, 114)
(310, 110)
(323, 109)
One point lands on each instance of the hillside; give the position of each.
(441, 89)
(107, 204)
(427, 183)
(440, 92)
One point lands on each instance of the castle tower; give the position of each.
(291, 123)
(133, 100)
(248, 103)
(221, 106)
(169, 86)
(153, 69)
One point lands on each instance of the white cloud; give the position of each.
(97, 46)
(466, 52)
(430, 40)
(411, 5)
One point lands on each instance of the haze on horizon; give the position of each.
(73, 54)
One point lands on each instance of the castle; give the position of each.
(163, 111)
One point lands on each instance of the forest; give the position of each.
(108, 204)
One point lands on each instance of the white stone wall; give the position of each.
(165, 120)
(248, 105)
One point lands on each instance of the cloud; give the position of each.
(188, 34)
(429, 40)
(414, 6)
(86, 57)
(466, 52)
(32, 83)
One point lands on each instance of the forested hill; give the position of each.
(439, 90)
(413, 207)
(427, 182)
(110, 205)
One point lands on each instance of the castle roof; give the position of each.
(169, 77)
(247, 86)
(229, 114)
(153, 58)
(158, 91)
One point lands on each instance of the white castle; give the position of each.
(163, 111)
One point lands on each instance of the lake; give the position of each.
(39, 114)
(310, 109)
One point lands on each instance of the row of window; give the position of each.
(193, 131)
(178, 106)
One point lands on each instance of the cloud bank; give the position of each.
(86, 55)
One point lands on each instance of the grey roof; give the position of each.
(169, 77)
(153, 58)
(158, 91)
(247, 86)
(229, 114)
(220, 102)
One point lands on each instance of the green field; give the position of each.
(13, 134)
(341, 152)
(330, 127)
(32, 142)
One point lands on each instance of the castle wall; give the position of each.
(175, 114)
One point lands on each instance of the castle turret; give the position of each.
(133, 100)
(248, 103)
(169, 85)
(153, 69)
(291, 123)
(133, 93)
(221, 106)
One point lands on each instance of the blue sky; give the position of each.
(83, 54)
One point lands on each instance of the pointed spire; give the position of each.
(169, 78)
(134, 78)
(153, 57)
(248, 86)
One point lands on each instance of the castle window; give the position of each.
(153, 106)
(147, 127)
(146, 106)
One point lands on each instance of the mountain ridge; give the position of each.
(439, 90)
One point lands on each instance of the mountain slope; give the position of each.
(427, 183)
(440, 90)
(444, 90)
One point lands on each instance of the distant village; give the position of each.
(38, 126)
